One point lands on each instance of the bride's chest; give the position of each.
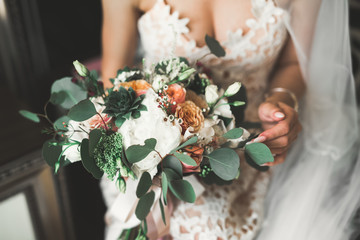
(250, 40)
(212, 17)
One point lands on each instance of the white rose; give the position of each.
(211, 94)
(224, 110)
(232, 89)
(77, 131)
(151, 124)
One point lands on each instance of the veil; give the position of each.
(316, 192)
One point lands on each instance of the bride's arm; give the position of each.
(119, 37)
(277, 113)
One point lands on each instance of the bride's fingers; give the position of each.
(283, 141)
(269, 112)
(278, 159)
(278, 151)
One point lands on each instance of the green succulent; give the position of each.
(124, 104)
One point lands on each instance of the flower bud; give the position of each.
(186, 74)
(121, 184)
(211, 94)
(124, 172)
(238, 103)
(81, 69)
(232, 89)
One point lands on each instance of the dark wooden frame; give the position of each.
(30, 175)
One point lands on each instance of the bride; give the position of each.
(280, 50)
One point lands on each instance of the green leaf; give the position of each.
(74, 92)
(58, 98)
(214, 46)
(225, 163)
(226, 120)
(51, 151)
(183, 190)
(144, 205)
(119, 121)
(62, 123)
(254, 165)
(259, 153)
(162, 211)
(142, 107)
(94, 138)
(88, 161)
(171, 174)
(82, 111)
(173, 163)
(164, 185)
(212, 178)
(136, 153)
(234, 133)
(29, 115)
(185, 159)
(191, 141)
(143, 185)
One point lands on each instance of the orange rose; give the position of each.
(196, 153)
(176, 94)
(139, 86)
(191, 116)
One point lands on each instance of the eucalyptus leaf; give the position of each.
(162, 211)
(82, 111)
(183, 190)
(58, 98)
(172, 162)
(254, 165)
(214, 46)
(74, 92)
(259, 153)
(51, 151)
(94, 138)
(29, 115)
(185, 159)
(171, 174)
(234, 133)
(136, 153)
(88, 161)
(144, 205)
(164, 185)
(62, 123)
(143, 185)
(225, 163)
(190, 141)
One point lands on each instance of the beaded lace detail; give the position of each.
(235, 211)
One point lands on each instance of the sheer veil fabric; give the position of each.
(315, 193)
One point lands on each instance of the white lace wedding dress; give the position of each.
(234, 211)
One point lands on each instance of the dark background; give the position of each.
(38, 44)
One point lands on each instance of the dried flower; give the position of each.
(191, 115)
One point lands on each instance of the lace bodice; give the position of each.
(249, 56)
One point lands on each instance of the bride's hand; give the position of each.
(281, 125)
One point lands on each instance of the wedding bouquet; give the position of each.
(161, 123)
